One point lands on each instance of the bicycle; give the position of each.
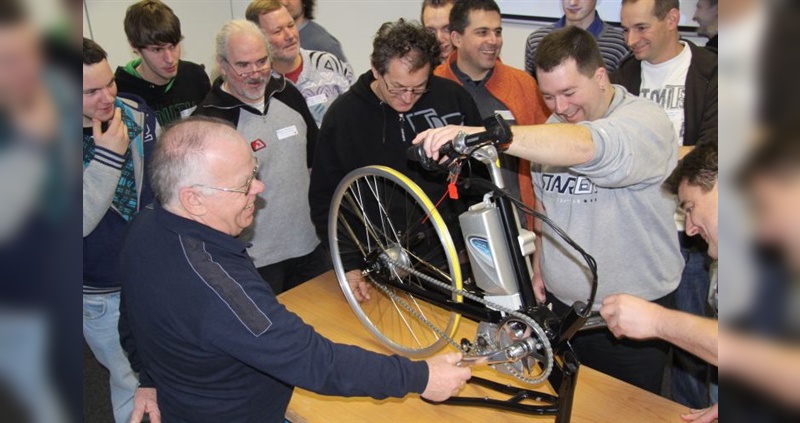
(383, 228)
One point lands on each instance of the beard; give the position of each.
(253, 88)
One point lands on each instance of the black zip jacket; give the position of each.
(222, 105)
(188, 89)
(360, 130)
(700, 108)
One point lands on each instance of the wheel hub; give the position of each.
(393, 255)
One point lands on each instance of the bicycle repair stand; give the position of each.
(563, 377)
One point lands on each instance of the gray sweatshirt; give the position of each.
(614, 207)
(281, 138)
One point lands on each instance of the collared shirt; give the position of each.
(595, 28)
(488, 105)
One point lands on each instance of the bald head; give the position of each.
(185, 152)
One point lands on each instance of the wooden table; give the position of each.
(598, 399)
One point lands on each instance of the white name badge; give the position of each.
(287, 132)
(317, 99)
(506, 114)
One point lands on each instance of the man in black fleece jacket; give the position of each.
(374, 122)
(200, 325)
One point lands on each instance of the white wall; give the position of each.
(609, 9)
(200, 21)
(339, 16)
(353, 22)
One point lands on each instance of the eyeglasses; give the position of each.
(415, 92)
(244, 70)
(245, 189)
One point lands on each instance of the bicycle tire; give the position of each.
(371, 198)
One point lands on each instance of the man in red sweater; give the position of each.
(477, 35)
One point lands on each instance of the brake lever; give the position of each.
(448, 157)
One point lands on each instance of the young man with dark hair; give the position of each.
(312, 35)
(583, 14)
(435, 17)
(477, 33)
(320, 76)
(118, 135)
(374, 122)
(171, 87)
(598, 168)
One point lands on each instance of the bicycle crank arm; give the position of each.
(510, 354)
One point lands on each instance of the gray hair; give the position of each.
(179, 156)
(236, 26)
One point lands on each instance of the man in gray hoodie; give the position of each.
(601, 160)
(272, 115)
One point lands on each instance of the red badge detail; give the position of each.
(257, 144)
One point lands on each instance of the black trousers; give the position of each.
(640, 363)
(287, 274)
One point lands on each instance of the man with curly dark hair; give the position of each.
(374, 122)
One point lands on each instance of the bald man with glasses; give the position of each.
(272, 115)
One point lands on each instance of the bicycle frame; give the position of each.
(559, 329)
(499, 250)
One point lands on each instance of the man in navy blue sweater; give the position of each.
(202, 327)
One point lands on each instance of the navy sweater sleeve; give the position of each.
(291, 351)
(129, 345)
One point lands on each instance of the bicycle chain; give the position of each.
(544, 342)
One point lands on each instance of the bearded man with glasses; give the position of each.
(272, 115)
(374, 122)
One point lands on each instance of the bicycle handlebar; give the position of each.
(497, 132)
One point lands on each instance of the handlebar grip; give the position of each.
(497, 131)
(416, 153)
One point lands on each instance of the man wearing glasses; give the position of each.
(201, 326)
(272, 116)
(374, 122)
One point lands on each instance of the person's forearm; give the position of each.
(767, 365)
(554, 144)
(695, 334)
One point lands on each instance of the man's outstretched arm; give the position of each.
(636, 318)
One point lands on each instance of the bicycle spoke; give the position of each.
(381, 219)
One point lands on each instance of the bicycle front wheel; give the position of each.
(380, 218)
